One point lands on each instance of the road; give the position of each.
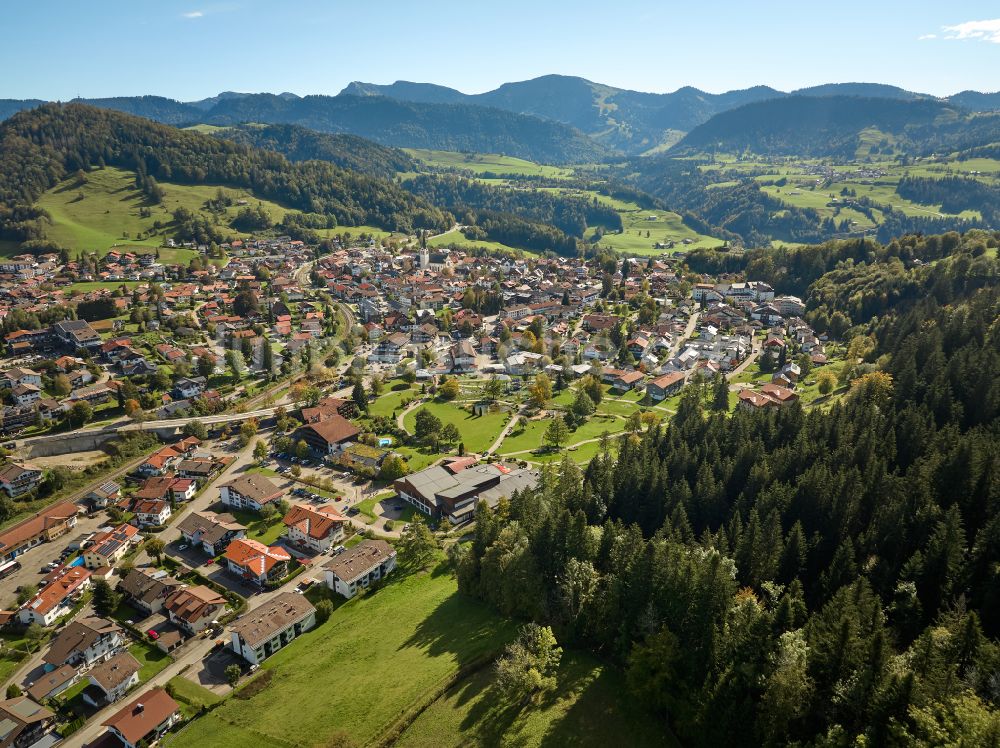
(688, 332)
(755, 347)
(195, 650)
(503, 434)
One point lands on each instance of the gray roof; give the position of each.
(360, 559)
(263, 623)
(436, 480)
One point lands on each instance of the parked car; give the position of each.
(339, 549)
(153, 634)
(182, 547)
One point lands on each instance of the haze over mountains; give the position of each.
(554, 118)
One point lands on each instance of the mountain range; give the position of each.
(553, 118)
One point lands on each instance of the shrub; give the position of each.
(255, 686)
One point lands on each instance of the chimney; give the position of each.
(139, 707)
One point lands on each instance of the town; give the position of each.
(199, 458)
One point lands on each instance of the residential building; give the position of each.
(329, 436)
(53, 682)
(147, 589)
(260, 633)
(85, 642)
(145, 718)
(76, 333)
(665, 386)
(151, 512)
(112, 679)
(249, 491)
(19, 478)
(48, 524)
(256, 563)
(109, 547)
(315, 529)
(194, 608)
(23, 723)
(56, 598)
(359, 567)
(210, 531)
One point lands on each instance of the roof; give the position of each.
(255, 556)
(50, 681)
(263, 623)
(315, 522)
(20, 533)
(255, 487)
(360, 559)
(334, 429)
(436, 480)
(108, 543)
(112, 673)
(667, 380)
(57, 590)
(192, 603)
(18, 713)
(213, 527)
(141, 716)
(147, 585)
(77, 636)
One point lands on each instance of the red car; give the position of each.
(153, 634)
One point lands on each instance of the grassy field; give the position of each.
(481, 163)
(379, 656)
(456, 238)
(257, 528)
(661, 227)
(105, 212)
(190, 695)
(88, 286)
(478, 432)
(587, 708)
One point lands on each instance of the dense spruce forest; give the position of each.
(38, 148)
(301, 144)
(827, 577)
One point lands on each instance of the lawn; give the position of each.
(391, 400)
(151, 659)
(88, 286)
(478, 432)
(190, 695)
(257, 528)
(456, 238)
(379, 656)
(534, 435)
(588, 707)
(642, 229)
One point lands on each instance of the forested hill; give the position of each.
(822, 578)
(301, 144)
(816, 126)
(40, 147)
(451, 127)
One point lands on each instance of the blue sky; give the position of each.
(58, 49)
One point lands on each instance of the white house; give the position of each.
(257, 635)
(360, 566)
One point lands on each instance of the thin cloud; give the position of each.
(194, 14)
(925, 37)
(985, 31)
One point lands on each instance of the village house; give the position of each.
(85, 642)
(257, 635)
(330, 435)
(315, 529)
(24, 723)
(194, 608)
(211, 532)
(360, 566)
(19, 478)
(110, 546)
(151, 512)
(665, 386)
(144, 719)
(147, 589)
(111, 680)
(249, 491)
(256, 563)
(56, 598)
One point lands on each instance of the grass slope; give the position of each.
(478, 432)
(481, 163)
(105, 212)
(586, 709)
(377, 657)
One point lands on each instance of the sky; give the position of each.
(60, 49)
